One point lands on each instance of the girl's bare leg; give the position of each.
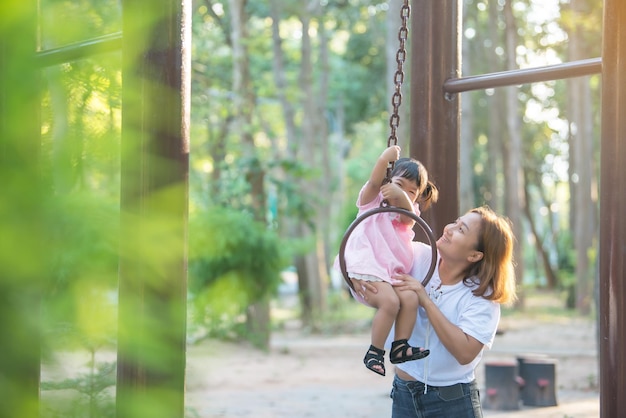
(387, 306)
(407, 315)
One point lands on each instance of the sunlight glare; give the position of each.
(543, 11)
(218, 9)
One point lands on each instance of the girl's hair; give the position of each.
(412, 169)
(494, 273)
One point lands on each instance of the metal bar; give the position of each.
(523, 76)
(79, 50)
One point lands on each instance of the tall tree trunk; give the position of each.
(280, 79)
(217, 150)
(466, 140)
(311, 147)
(61, 140)
(258, 315)
(497, 110)
(513, 169)
(581, 166)
(313, 277)
(329, 172)
(551, 277)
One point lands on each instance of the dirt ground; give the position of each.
(323, 376)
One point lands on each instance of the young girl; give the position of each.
(380, 248)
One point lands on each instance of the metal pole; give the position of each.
(612, 318)
(435, 116)
(526, 75)
(153, 254)
(73, 52)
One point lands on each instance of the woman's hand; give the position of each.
(407, 282)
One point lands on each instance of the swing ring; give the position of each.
(422, 223)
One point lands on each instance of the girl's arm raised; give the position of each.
(372, 187)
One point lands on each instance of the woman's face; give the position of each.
(460, 238)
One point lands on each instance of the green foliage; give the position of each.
(233, 262)
(84, 228)
(84, 266)
(345, 315)
(82, 19)
(293, 202)
(365, 66)
(369, 142)
(94, 401)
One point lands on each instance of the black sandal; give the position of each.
(375, 357)
(399, 350)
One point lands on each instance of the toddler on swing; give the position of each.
(380, 248)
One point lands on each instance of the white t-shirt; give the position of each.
(475, 315)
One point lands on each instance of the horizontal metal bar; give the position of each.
(523, 76)
(79, 50)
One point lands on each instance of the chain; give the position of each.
(396, 99)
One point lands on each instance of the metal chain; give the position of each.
(396, 99)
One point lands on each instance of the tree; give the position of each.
(512, 156)
(583, 181)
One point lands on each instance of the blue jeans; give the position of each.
(458, 401)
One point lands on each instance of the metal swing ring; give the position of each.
(422, 223)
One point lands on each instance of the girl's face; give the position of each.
(460, 238)
(408, 186)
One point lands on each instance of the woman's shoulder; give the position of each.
(422, 258)
(467, 287)
(422, 253)
(420, 248)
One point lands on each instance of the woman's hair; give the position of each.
(495, 271)
(412, 169)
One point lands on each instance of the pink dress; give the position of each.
(379, 246)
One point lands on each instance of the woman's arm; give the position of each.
(463, 347)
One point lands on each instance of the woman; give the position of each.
(458, 316)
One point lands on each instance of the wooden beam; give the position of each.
(435, 57)
(156, 51)
(23, 266)
(612, 256)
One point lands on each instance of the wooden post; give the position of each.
(435, 57)
(153, 260)
(612, 318)
(22, 251)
